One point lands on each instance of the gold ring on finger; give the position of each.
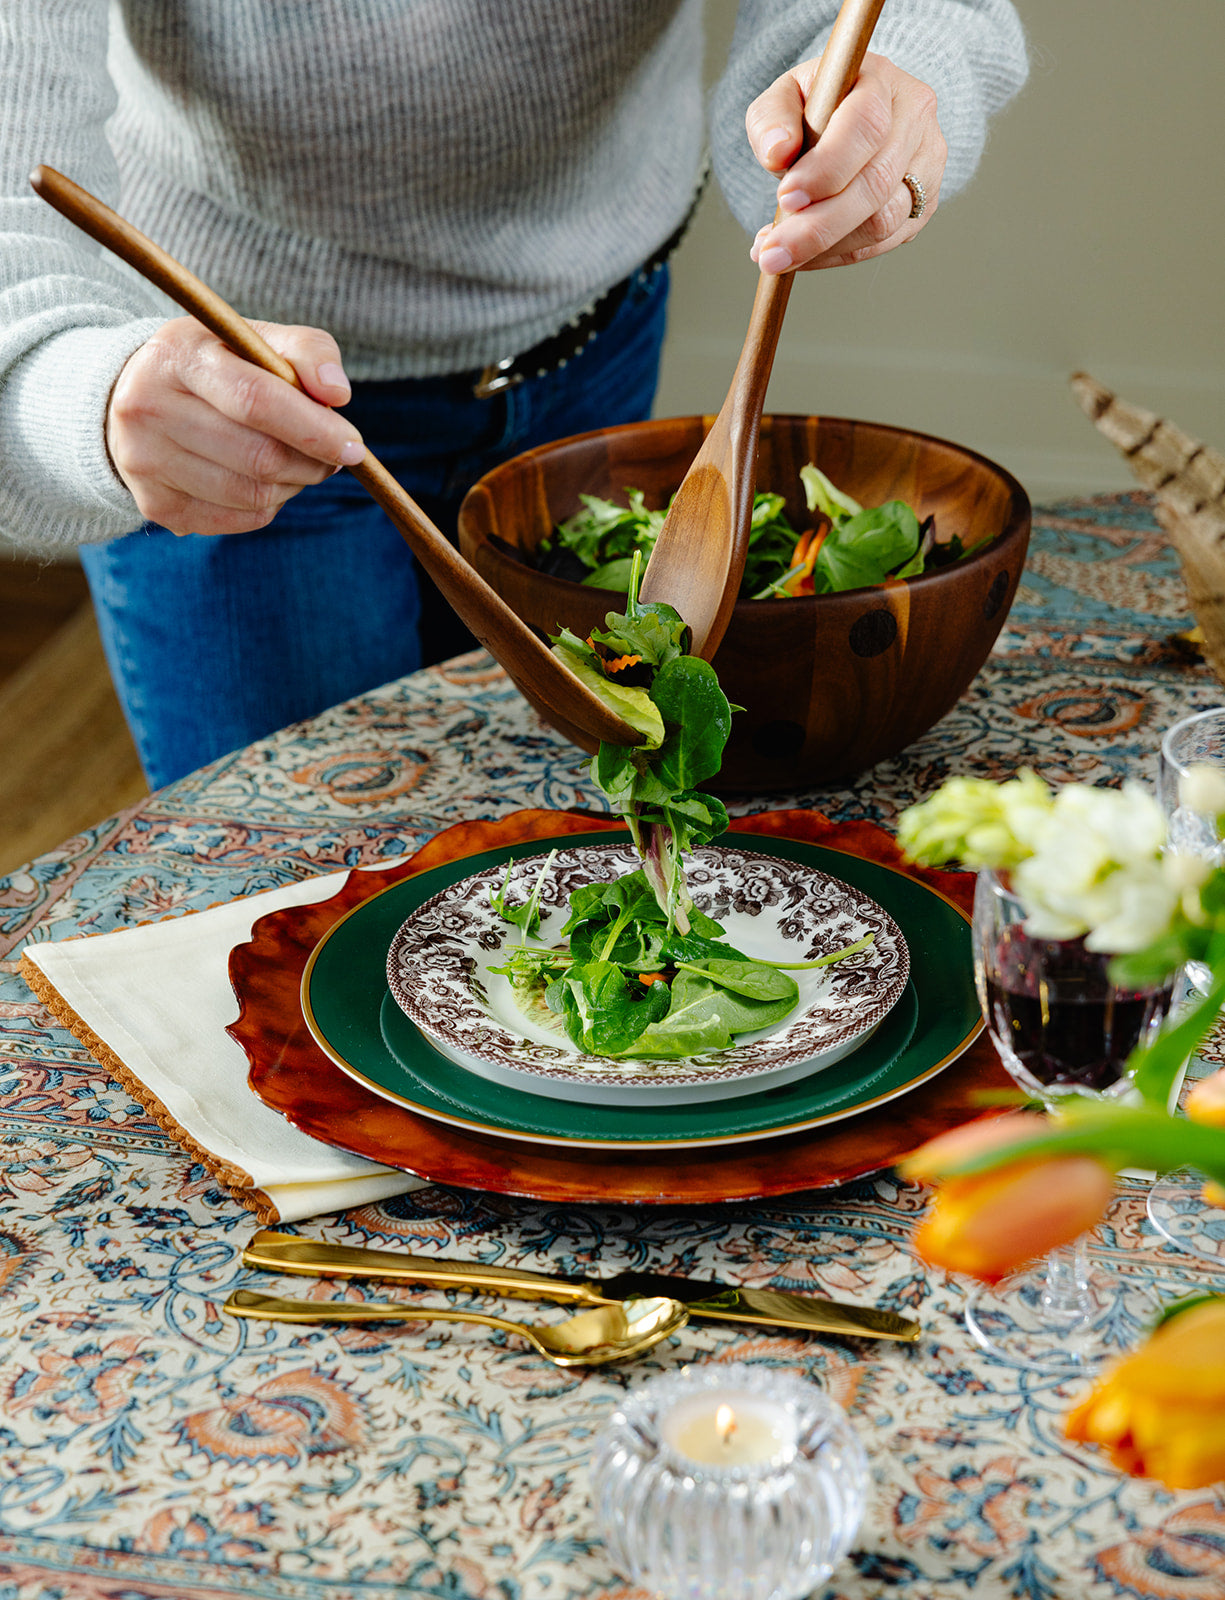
(918, 196)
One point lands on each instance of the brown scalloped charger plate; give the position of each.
(290, 1073)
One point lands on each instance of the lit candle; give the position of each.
(729, 1428)
(728, 1480)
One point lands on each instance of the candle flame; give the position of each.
(725, 1424)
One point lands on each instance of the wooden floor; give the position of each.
(66, 757)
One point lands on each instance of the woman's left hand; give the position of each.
(846, 200)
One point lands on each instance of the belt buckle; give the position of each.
(497, 376)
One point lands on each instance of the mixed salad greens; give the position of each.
(847, 547)
(646, 973)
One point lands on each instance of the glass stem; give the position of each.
(1066, 1296)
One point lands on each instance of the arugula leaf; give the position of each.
(525, 917)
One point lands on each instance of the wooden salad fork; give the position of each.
(561, 697)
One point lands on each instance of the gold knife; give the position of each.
(289, 1252)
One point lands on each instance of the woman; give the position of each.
(453, 218)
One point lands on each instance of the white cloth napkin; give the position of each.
(158, 997)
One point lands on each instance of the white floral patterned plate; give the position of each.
(438, 970)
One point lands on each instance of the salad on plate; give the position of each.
(642, 972)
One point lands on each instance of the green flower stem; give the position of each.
(1119, 1135)
(1154, 1068)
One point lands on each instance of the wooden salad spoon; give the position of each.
(615, 1330)
(698, 559)
(560, 697)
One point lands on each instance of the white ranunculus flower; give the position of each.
(1097, 870)
(1134, 906)
(1026, 807)
(1202, 789)
(1124, 910)
(1186, 872)
(975, 821)
(1067, 857)
(1127, 822)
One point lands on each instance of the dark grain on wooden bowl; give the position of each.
(831, 684)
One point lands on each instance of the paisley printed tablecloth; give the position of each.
(151, 1447)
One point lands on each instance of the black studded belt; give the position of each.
(578, 333)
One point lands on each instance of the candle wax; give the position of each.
(763, 1430)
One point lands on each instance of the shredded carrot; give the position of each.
(651, 977)
(621, 662)
(803, 558)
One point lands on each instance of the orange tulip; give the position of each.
(986, 1224)
(1160, 1412)
(1206, 1105)
(1206, 1102)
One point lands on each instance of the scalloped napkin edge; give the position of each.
(151, 1004)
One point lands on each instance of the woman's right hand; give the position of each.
(209, 443)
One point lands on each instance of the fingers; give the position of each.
(259, 401)
(209, 443)
(844, 200)
(774, 123)
(315, 357)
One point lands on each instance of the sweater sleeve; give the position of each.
(971, 52)
(69, 316)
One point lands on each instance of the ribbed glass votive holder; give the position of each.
(694, 1506)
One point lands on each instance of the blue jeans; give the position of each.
(216, 641)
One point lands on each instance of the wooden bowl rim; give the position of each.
(1016, 525)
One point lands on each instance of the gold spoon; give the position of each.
(560, 697)
(698, 559)
(613, 1331)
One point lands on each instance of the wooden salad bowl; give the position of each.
(830, 684)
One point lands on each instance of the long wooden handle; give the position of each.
(840, 64)
(836, 75)
(540, 677)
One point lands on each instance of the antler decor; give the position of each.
(1188, 480)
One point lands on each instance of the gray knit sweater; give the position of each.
(439, 183)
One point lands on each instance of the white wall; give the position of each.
(1093, 236)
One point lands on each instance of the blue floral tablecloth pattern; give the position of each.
(151, 1447)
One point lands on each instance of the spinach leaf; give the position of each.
(864, 549)
(755, 980)
(704, 1016)
(698, 719)
(606, 1010)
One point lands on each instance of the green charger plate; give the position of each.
(354, 1020)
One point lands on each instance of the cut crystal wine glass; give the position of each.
(1175, 1205)
(1061, 1027)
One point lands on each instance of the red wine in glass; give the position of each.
(1061, 1027)
(1052, 1008)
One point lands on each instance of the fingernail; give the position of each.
(352, 453)
(775, 145)
(794, 200)
(332, 376)
(775, 259)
